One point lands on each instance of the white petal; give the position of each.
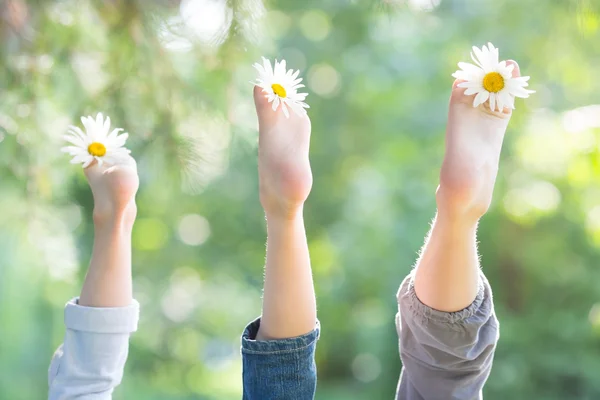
(469, 84)
(119, 140)
(73, 150)
(494, 54)
(118, 149)
(92, 129)
(520, 92)
(481, 98)
(88, 162)
(477, 57)
(504, 96)
(500, 101)
(299, 96)
(511, 102)
(268, 67)
(470, 68)
(106, 126)
(512, 84)
(522, 78)
(282, 67)
(275, 103)
(114, 159)
(80, 158)
(265, 88)
(472, 90)
(113, 134)
(462, 75)
(486, 58)
(75, 140)
(298, 108)
(493, 101)
(259, 68)
(89, 127)
(120, 152)
(285, 110)
(77, 132)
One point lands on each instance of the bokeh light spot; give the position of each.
(208, 20)
(193, 229)
(535, 198)
(277, 23)
(423, 5)
(315, 25)
(366, 367)
(182, 296)
(594, 317)
(323, 255)
(149, 234)
(294, 57)
(324, 80)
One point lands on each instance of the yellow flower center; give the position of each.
(97, 149)
(278, 89)
(493, 82)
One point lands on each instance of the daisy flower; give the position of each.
(281, 86)
(491, 80)
(96, 143)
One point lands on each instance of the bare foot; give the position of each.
(285, 177)
(114, 188)
(474, 139)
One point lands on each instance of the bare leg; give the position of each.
(91, 360)
(289, 305)
(447, 272)
(108, 281)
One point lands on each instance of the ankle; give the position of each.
(284, 214)
(111, 217)
(456, 221)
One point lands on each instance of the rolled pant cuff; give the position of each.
(252, 346)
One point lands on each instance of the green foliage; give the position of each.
(379, 78)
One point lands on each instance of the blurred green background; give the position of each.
(378, 72)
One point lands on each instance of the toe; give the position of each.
(516, 72)
(266, 116)
(458, 93)
(94, 169)
(260, 100)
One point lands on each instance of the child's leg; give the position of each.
(285, 180)
(108, 281)
(447, 273)
(447, 326)
(90, 362)
(279, 348)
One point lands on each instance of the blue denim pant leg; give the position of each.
(282, 369)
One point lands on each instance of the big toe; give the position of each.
(94, 170)
(264, 110)
(458, 93)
